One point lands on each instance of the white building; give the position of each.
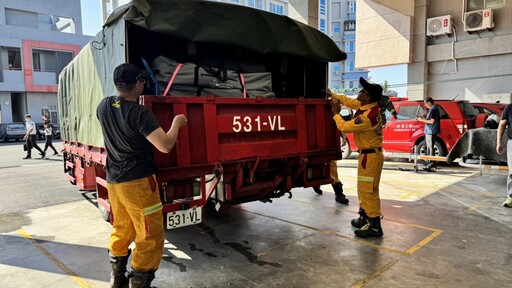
(37, 40)
(453, 49)
(282, 7)
(342, 29)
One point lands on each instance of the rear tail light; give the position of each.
(462, 127)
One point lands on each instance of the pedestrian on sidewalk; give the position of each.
(31, 137)
(48, 134)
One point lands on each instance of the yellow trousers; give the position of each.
(137, 211)
(334, 171)
(369, 170)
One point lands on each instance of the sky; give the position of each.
(395, 75)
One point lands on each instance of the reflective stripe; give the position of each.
(152, 209)
(365, 179)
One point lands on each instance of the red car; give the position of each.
(490, 108)
(405, 132)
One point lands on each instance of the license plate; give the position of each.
(182, 218)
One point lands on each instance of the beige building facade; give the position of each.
(453, 49)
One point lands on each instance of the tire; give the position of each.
(104, 213)
(5, 139)
(438, 148)
(346, 151)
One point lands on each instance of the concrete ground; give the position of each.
(443, 229)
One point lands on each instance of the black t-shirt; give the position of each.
(507, 115)
(126, 125)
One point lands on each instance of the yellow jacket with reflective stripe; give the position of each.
(368, 133)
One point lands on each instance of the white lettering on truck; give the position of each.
(256, 123)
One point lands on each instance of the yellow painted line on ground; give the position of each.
(424, 242)
(476, 193)
(408, 252)
(477, 205)
(331, 232)
(435, 233)
(57, 262)
(376, 274)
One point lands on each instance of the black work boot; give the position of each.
(139, 279)
(361, 221)
(118, 278)
(338, 191)
(371, 229)
(317, 190)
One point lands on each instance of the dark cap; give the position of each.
(127, 74)
(28, 116)
(374, 90)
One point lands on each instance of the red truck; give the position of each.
(235, 149)
(402, 134)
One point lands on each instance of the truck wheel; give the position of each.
(5, 139)
(104, 212)
(346, 151)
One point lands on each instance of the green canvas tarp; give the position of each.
(88, 78)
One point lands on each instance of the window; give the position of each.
(410, 112)
(235, 1)
(349, 66)
(14, 58)
(65, 25)
(276, 8)
(255, 3)
(472, 5)
(36, 60)
(349, 46)
(350, 25)
(322, 7)
(336, 28)
(50, 61)
(335, 69)
(351, 7)
(322, 25)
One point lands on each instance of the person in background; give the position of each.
(31, 137)
(367, 128)
(432, 128)
(506, 120)
(48, 134)
(130, 131)
(337, 186)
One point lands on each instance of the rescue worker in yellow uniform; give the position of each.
(367, 128)
(337, 186)
(130, 131)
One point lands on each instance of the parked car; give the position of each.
(490, 108)
(56, 131)
(40, 131)
(401, 135)
(10, 131)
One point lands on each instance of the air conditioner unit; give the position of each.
(439, 25)
(478, 20)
